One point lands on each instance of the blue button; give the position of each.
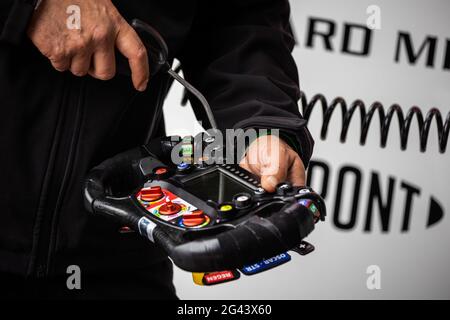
(183, 166)
(266, 264)
(305, 202)
(308, 204)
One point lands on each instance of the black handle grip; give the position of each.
(113, 179)
(256, 239)
(107, 192)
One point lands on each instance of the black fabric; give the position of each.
(54, 127)
(14, 17)
(239, 57)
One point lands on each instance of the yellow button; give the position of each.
(226, 207)
(197, 277)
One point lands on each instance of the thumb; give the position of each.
(270, 178)
(269, 183)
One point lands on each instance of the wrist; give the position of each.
(286, 138)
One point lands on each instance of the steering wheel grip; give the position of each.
(250, 242)
(107, 192)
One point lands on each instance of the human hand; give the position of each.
(272, 159)
(91, 48)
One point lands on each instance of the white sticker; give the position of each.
(146, 228)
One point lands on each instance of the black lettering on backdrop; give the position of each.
(385, 208)
(313, 32)
(314, 165)
(349, 29)
(447, 56)
(325, 30)
(410, 192)
(384, 201)
(345, 171)
(405, 38)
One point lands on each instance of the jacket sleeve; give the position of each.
(239, 57)
(14, 18)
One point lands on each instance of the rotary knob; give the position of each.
(194, 219)
(169, 208)
(242, 200)
(284, 188)
(152, 194)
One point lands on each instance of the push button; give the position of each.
(152, 194)
(184, 167)
(226, 211)
(194, 219)
(260, 191)
(226, 208)
(284, 188)
(125, 229)
(308, 203)
(304, 248)
(187, 149)
(212, 278)
(242, 200)
(160, 171)
(169, 208)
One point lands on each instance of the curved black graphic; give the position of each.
(436, 212)
(424, 123)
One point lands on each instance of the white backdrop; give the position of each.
(414, 263)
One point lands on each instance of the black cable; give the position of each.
(198, 95)
(163, 90)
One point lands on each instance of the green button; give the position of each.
(186, 149)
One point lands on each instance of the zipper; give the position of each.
(67, 136)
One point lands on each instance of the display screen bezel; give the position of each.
(246, 187)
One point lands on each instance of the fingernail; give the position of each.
(143, 86)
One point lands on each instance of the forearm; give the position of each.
(243, 65)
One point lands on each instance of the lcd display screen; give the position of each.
(216, 186)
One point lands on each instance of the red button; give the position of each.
(218, 277)
(194, 219)
(169, 208)
(152, 194)
(125, 229)
(160, 170)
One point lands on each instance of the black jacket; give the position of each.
(54, 126)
